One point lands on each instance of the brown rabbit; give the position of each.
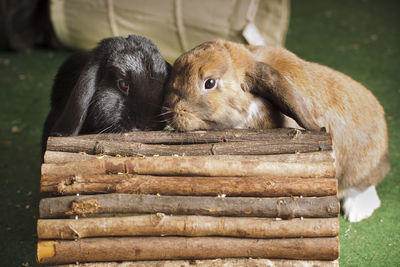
(221, 85)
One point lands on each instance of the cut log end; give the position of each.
(46, 249)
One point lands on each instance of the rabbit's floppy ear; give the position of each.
(268, 83)
(73, 116)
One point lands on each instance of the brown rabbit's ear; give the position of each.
(268, 83)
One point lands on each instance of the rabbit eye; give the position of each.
(123, 86)
(210, 84)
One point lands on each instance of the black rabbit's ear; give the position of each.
(169, 67)
(268, 83)
(74, 114)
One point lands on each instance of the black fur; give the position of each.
(86, 98)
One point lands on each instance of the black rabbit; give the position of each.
(116, 87)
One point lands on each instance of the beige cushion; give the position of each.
(175, 26)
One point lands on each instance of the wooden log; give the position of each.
(62, 157)
(162, 225)
(265, 147)
(286, 207)
(231, 262)
(196, 137)
(192, 166)
(321, 156)
(258, 186)
(155, 248)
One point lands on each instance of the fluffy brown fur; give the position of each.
(286, 86)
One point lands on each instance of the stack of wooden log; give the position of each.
(231, 198)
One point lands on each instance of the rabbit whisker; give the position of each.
(166, 113)
(163, 120)
(106, 129)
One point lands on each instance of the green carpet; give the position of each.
(359, 38)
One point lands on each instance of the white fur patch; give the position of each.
(358, 205)
(256, 110)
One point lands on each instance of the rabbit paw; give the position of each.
(358, 205)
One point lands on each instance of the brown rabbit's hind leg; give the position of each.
(358, 205)
(360, 202)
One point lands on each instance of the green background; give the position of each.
(359, 38)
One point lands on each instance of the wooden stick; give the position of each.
(286, 207)
(197, 137)
(155, 248)
(231, 262)
(162, 225)
(62, 157)
(321, 156)
(107, 147)
(191, 166)
(258, 186)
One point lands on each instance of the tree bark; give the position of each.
(192, 166)
(285, 207)
(162, 225)
(258, 186)
(62, 157)
(155, 248)
(231, 262)
(116, 147)
(321, 156)
(196, 137)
